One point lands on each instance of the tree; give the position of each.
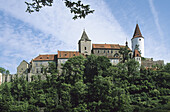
(125, 53)
(4, 71)
(167, 68)
(95, 66)
(77, 8)
(73, 70)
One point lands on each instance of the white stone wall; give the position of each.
(138, 59)
(138, 41)
(114, 61)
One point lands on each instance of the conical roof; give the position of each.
(136, 53)
(84, 36)
(137, 32)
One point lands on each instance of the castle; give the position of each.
(111, 51)
(86, 48)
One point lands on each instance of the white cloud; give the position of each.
(156, 18)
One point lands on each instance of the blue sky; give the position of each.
(24, 36)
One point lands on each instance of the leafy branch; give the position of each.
(77, 8)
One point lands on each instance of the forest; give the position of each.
(90, 84)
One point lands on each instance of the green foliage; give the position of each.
(4, 71)
(77, 8)
(90, 84)
(125, 53)
(167, 68)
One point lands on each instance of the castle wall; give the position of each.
(85, 47)
(149, 63)
(60, 62)
(138, 59)
(22, 68)
(37, 66)
(138, 41)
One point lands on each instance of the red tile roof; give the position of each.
(68, 54)
(107, 46)
(136, 53)
(46, 57)
(137, 32)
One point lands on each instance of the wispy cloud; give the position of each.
(156, 18)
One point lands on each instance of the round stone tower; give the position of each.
(138, 41)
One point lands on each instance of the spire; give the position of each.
(137, 32)
(126, 42)
(84, 36)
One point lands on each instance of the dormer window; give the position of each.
(47, 57)
(40, 57)
(65, 54)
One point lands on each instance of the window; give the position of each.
(104, 51)
(98, 51)
(130, 55)
(41, 70)
(139, 39)
(111, 51)
(40, 57)
(73, 54)
(36, 64)
(85, 48)
(116, 55)
(47, 57)
(65, 54)
(37, 70)
(108, 51)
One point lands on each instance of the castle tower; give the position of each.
(138, 41)
(85, 44)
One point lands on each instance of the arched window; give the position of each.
(116, 55)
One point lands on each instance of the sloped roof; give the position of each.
(68, 54)
(84, 36)
(107, 46)
(137, 32)
(136, 53)
(46, 57)
(24, 61)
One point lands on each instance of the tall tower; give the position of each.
(85, 44)
(138, 41)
